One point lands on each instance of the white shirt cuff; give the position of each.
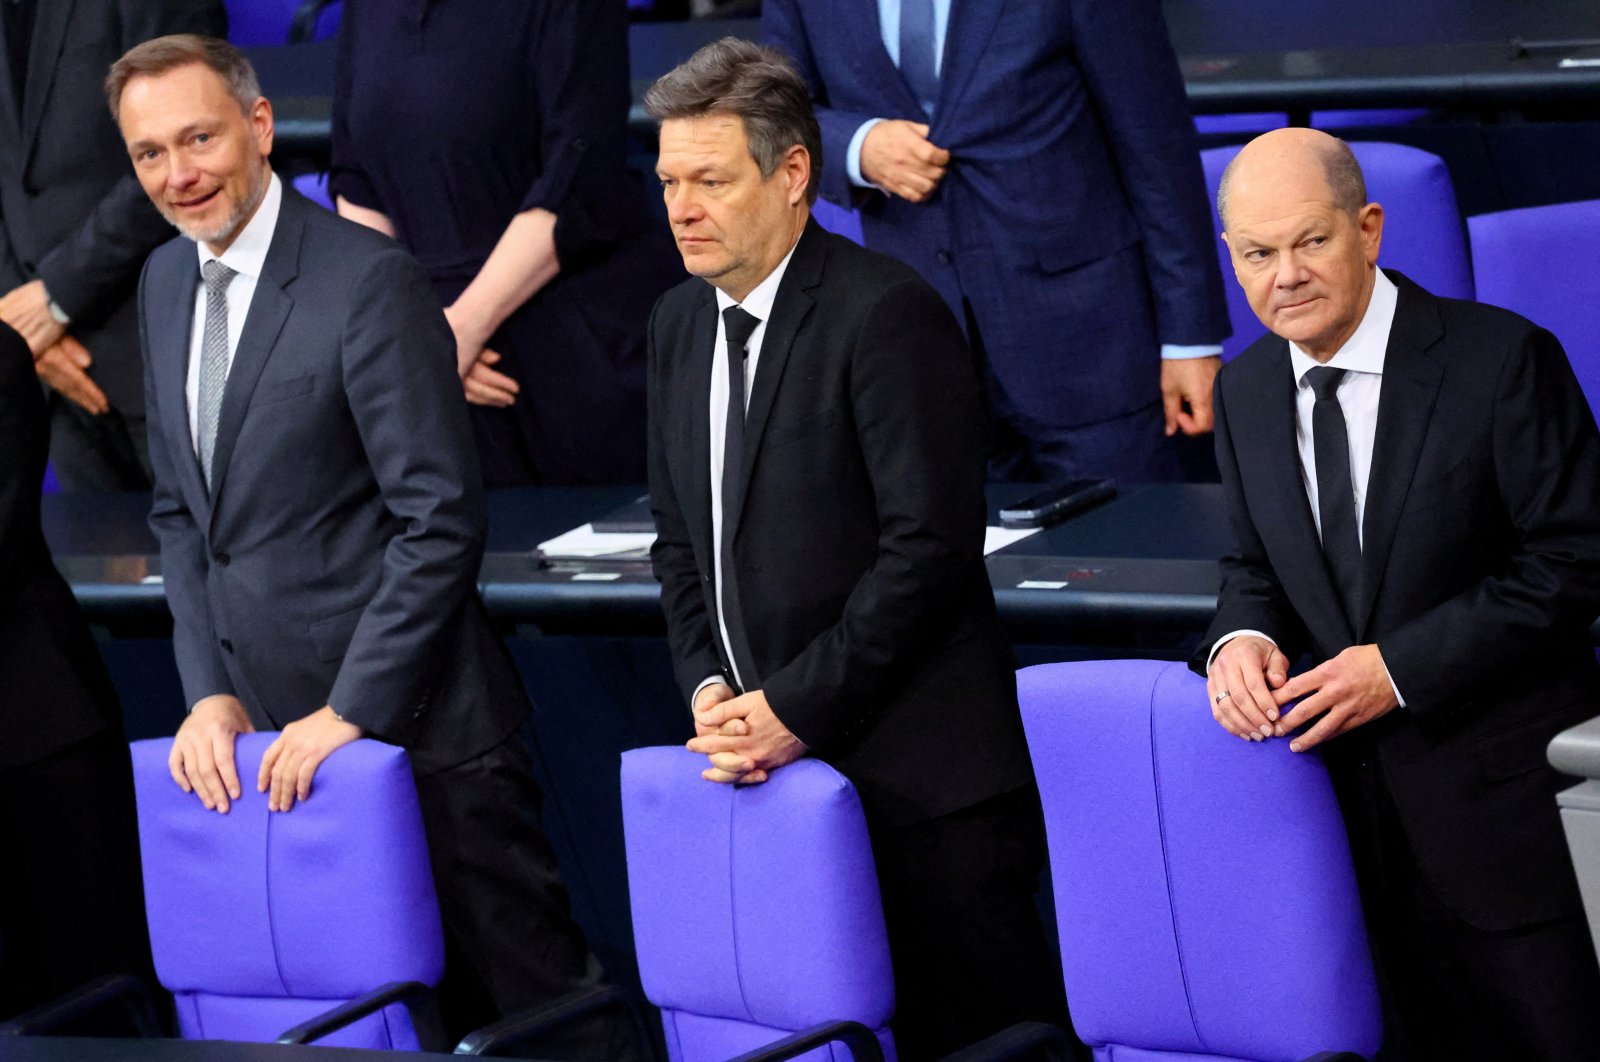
(1230, 636)
(1392, 686)
(1182, 352)
(852, 157)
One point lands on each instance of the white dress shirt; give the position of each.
(1362, 359)
(245, 256)
(759, 305)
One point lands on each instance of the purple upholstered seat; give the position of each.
(755, 909)
(262, 921)
(314, 186)
(1204, 890)
(1423, 236)
(1540, 262)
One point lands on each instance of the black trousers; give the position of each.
(970, 955)
(97, 454)
(71, 896)
(510, 940)
(1453, 991)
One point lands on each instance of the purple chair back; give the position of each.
(1197, 876)
(755, 909)
(260, 921)
(1541, 262)
(314, 186)
(1423, 236)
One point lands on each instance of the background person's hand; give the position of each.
(27, 309)
(201, 761)
(897, 156)
(291, 762)
(487, 386)
(1247, 669)
(1186, 393)
(62, 367)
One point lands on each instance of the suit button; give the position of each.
(221, 558)
(227, 646)
(706, 578)
(944, 257)
(28, 268)
(31, 191)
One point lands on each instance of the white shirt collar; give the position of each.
(759, 302)
(247, 254)
(1364, 350)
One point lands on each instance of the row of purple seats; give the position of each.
(257, 23)
(759, 927)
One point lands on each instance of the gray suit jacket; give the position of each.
(333, 560)
(71, 210)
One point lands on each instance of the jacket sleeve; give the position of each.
(103, 255)
(1132, 74)
(185, 558)
(1251, 597)
(919, 421)
(398, 360)
(783, 25)
(689, 624)
(1547, 469)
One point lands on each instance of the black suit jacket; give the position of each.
(334, 559)
(1482, 557)
(71, 210)
(859, 544)
(53, 687)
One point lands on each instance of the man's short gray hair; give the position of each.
(759, 86)
(163, 54)
(1339, 168)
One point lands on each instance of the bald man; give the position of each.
(1414, 486)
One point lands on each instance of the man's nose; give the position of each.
(182, 173)
(1291, 272)
(682, 206)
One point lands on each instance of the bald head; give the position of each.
(1299, 156)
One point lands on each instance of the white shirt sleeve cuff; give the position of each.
(1182, 352)
(852, 156)
(1390, 677)
(1230, 636)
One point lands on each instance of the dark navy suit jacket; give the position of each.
(334, 558)
(1071, 142)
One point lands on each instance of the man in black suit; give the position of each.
(74, 226)
(820, 547)
(1435, 549)
(71, 902)
(320, 514)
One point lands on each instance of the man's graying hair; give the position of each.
(164, 54)
(1339, 168)
(753, 83)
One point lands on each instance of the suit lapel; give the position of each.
(972, 22)
(1411, 381)
(789, 310)
(169, 330)
(49, 34)
(269, 308)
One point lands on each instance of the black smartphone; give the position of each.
(1056, 503)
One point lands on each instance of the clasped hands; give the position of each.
(58, 358)
(741, 736)
(483, 384)
(1348, 691)
(202, 753)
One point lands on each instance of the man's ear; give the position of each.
(797, 171)
(1370, 222)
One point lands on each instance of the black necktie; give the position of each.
(739, 326)
(1336, 498)
(917, 59)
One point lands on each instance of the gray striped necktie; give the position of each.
(213, 359)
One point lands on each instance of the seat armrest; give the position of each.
(861, 1041)
(1027, 1039)
(416, 997)
(98, 997)
(530, 1026)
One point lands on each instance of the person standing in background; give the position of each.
(1036, 162)
(74, 226)
(489, 138)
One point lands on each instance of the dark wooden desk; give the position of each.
(80, 1049)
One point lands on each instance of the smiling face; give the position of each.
(1306, 264)
(201, 159)
(732, 225)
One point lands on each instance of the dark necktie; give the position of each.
(739, 326)
(917, 58)
(1336, 499)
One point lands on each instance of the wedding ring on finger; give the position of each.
(1219, 698)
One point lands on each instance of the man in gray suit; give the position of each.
(320, 513)
(74, 226)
